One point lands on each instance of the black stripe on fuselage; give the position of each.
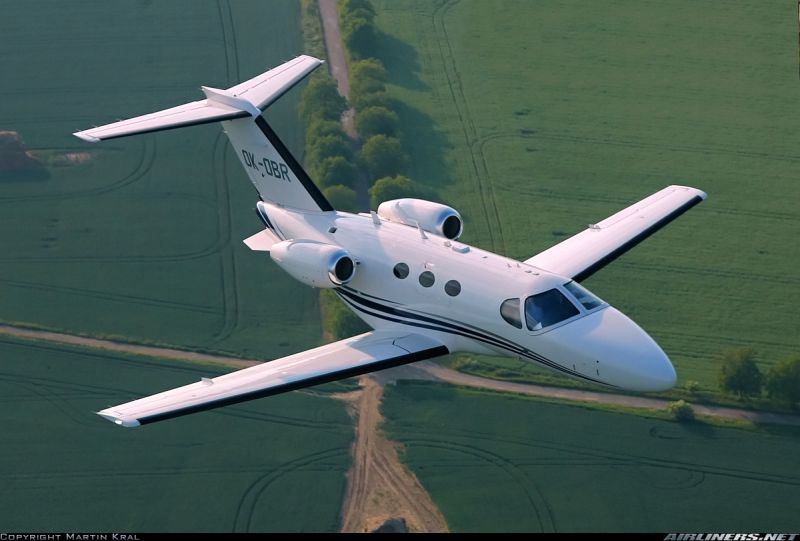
(430, 353)
(360, 297)
(293, 164)
(599, 264)
(352, 300)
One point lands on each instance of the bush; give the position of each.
(375, 121)
(342, 198)
(739, 373)
(383, 156)
(360, 36)
(681, 411)
(337, 170)
(783, 381)
(692, 386)
(321, 99)
(327, 146)
(388, 188)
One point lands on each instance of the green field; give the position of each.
(501, 463)
(537, 118)
(144, 240)
(245, 468)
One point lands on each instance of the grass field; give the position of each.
(500, 463)
(143, 240)
(246, 468)
(537, 118)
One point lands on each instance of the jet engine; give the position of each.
(432, 217)
(314, 263)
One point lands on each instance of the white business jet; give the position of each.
(404, 272)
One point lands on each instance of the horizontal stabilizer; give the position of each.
(582, 255)
(246, 99)
(262, 241)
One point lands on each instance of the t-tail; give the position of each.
(272, 169)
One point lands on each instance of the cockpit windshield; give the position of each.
(548, 308)
(583, 295)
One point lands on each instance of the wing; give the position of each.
(589, 251)
(245, 99)
(351, 357)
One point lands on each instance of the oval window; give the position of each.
(452, 288)
(401, 270)
(426, 279)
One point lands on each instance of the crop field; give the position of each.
(496, 462)
(537, 118)
(141, 237)
(246, 468)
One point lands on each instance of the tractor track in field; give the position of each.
(483, 182)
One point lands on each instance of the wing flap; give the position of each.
(350, 357)
(582, 255)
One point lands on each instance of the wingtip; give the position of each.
(86, 137)
(127, 423)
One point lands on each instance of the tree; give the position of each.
(739, 373)
(320, 127)
(369, 99)
(321, 99)
(336, 170)
(359, 36)
(681, 411)
(327, 147)
(369, 68)
(783, 380)
(342, 198)
(367, 77)
(383, 156)
(388, 188)
(376, 120)
(360, 8)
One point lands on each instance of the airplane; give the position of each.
(403, 270)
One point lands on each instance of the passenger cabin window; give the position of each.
(509, 311)
(547, 309)
(426, 279)
(452, 288)
(400, 270)
(583, 295)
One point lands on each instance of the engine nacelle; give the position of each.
(314, 263)
(432, 217)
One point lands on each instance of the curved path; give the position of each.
(422, 370)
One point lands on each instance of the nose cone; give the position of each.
(620, 352)
(630, 356)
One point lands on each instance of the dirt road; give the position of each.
(380, 487)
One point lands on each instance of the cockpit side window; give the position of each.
(509, 310)
(583, 296)
(548, 308)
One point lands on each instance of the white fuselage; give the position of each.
(599, 344)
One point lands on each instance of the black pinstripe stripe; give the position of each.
(441, 326)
